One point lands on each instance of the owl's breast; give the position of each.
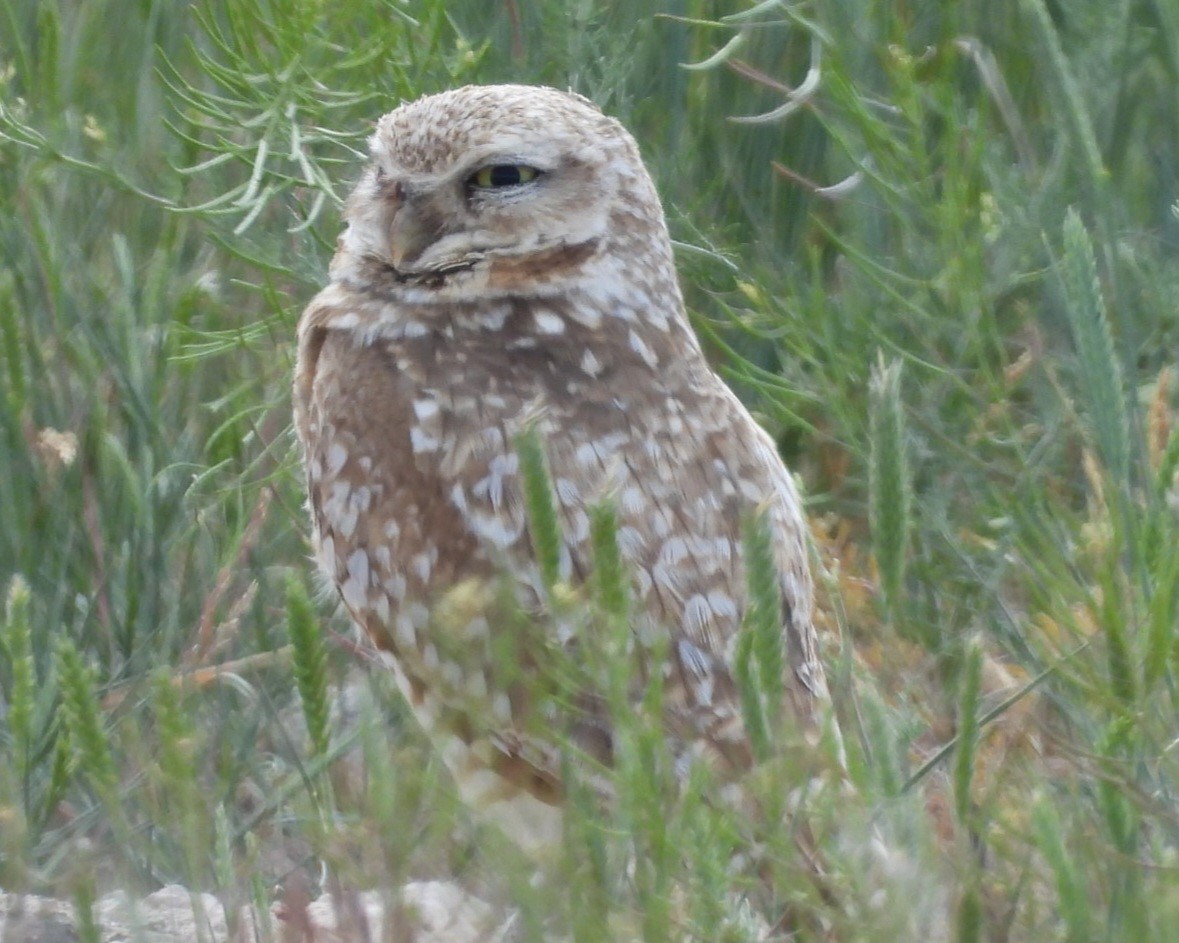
(385, 529)
(390, 451)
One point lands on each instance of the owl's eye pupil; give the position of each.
(505, 175)
(496, 176)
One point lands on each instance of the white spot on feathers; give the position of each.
(327, 556)
(631, 542)
(673, 551)
(697, 616)
(425, 408)
(698, 664)
(495, 530)
(631, 501)
(548, 323)
(395, 586)
(336, 457)
(404, 633)
(567, 491)
(722, 604)
(590, 364)
(422, 442)
(340, 509)
(640, 347)
(355, 588)
(422, 565)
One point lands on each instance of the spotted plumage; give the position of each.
(464, 306)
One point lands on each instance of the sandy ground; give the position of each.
(421, 912)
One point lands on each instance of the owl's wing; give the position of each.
(686, 467)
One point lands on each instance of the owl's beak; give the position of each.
(427, 236)
(410, 234)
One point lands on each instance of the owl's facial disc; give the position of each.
(482, 191)
(480, 210)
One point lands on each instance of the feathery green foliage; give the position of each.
(82, 718)
(177, 735)
(538, 502)
(17, 644)
(1100, 385)
(179, 741)
(764, 614)
(1068, 89)
(610, 575)
(88, 929)
(746, 676)
(309, 664)
(1074, 909)
(760, 660)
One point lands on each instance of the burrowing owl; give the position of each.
(506, 261)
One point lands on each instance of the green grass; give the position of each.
(969, 357)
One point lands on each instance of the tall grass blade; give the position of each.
(610, 574)
(889, 488)
(967, 741)
(1165, 476)
(310, 664)
(1162, 616)
(17, 640)
(1072, 895)
(1070, 91)
(547, 541)
(84, 900)
(763, 617)
(1100, 384)
(970, 916)
(747, 677)
(83, 715)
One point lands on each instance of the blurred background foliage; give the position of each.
(946, 279)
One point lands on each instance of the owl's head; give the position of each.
(496, 190)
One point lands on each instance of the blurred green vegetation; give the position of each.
(982, 194)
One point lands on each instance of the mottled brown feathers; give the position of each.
(552, 303)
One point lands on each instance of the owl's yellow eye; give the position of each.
(498, 176)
